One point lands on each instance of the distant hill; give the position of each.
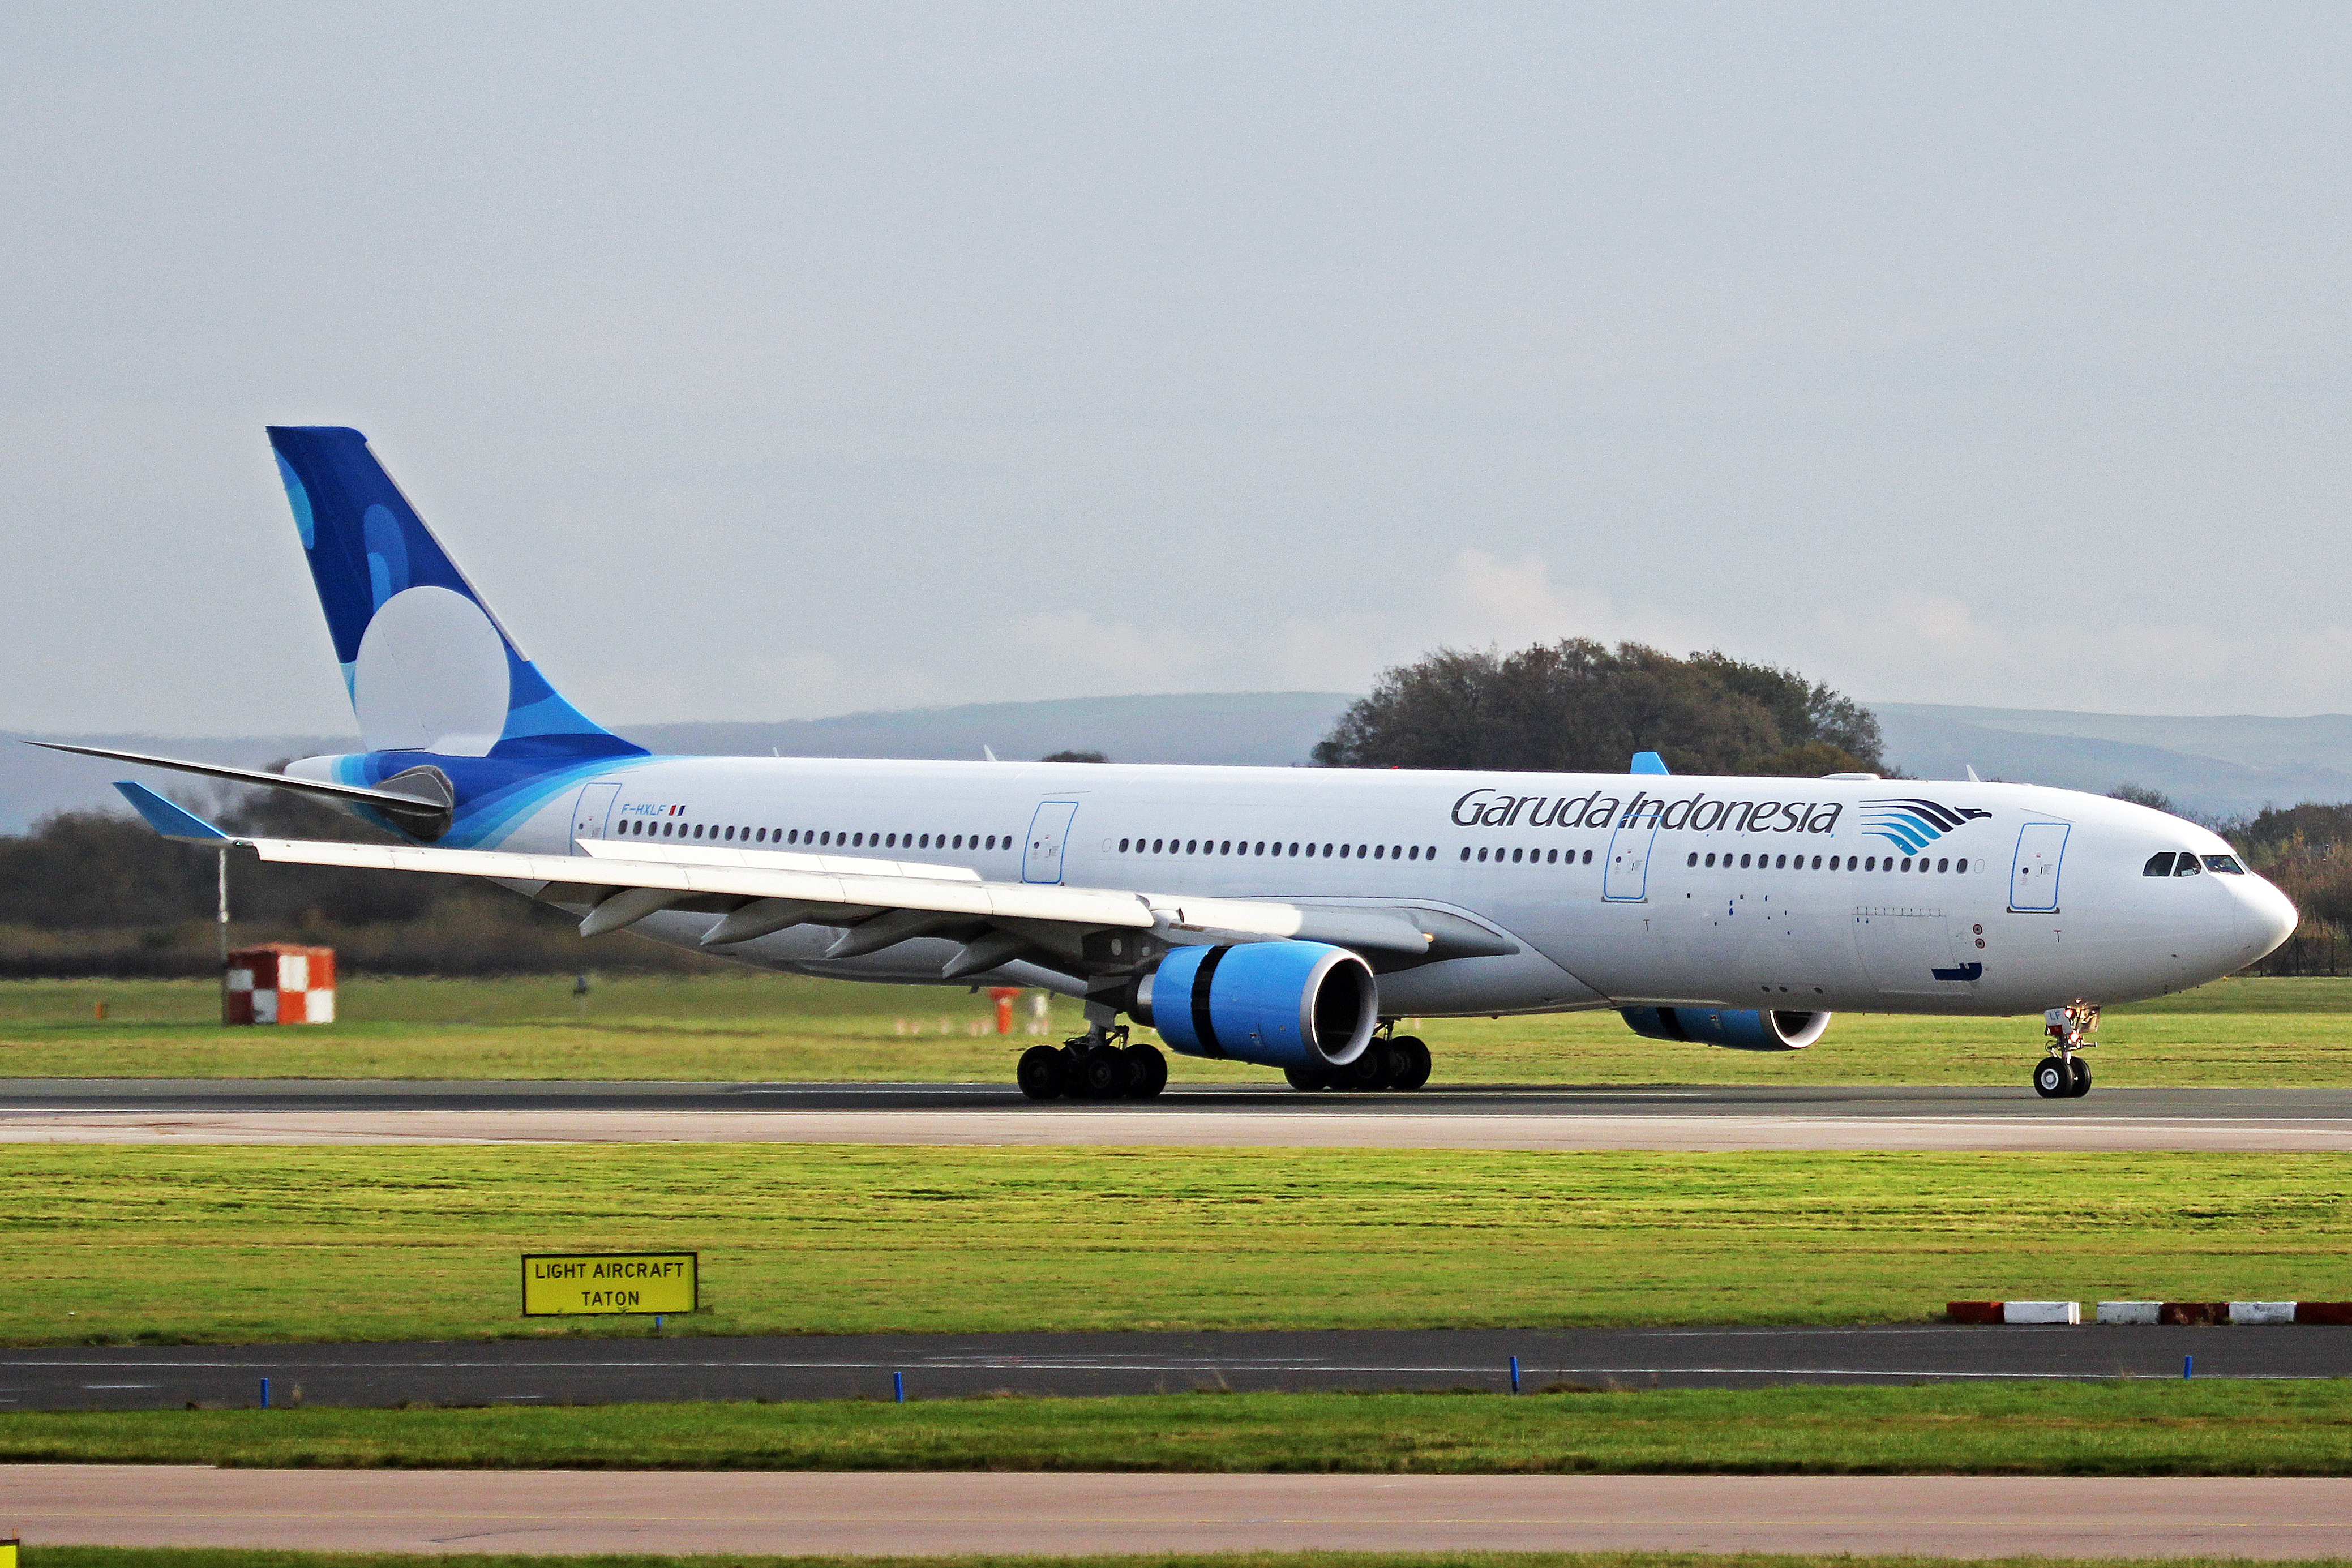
(1263, 729)
(2215, 766)
(1243, 729)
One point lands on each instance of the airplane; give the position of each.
(1287, 917)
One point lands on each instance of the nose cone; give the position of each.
(2266, 917)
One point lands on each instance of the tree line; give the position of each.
(1576, 706)
(99, 893)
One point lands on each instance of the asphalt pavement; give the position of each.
(1500, 1117)
(944, 1366)
(1975, 1518)
(266, 1095)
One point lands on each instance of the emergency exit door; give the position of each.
(588, 816)
(2034, 874)
(1626, 879)
(1049, 832)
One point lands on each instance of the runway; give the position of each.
(1659, 1117)
(942, 1366)
(642, 1512)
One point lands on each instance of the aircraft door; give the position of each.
(1049, 832)
(2034, 875)
(1626, 879)
(590, 812)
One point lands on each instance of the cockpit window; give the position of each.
(2226, 864)
(2188, 867)
(2158, 865)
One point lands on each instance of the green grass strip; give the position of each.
(249, 1244)
(2145, 1428)
(747, 1026)
(234, 1557)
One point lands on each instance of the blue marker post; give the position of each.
(658, 1318)
(265, 1394)
(2188, 1367)
(899, 1385)
(1515, 1375)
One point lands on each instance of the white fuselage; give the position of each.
(1807, 894)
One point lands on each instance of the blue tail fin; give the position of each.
(427, 666)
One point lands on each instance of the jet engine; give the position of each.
(1277, 1003)
(1742, 1029)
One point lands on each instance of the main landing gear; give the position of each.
(1388, 1062)
(2062, 1075)
(1098, 1065)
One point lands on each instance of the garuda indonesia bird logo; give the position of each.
(1913, 824)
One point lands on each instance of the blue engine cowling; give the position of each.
(1277, 1003)
(1742, 1029)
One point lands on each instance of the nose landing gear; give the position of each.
(2062, 1075)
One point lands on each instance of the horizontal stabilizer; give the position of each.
(169, 818)
(395, 802)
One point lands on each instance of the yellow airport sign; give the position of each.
(8, 1553)
(599, 1284)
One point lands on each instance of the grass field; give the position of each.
(225, 1244)
(763, 1026)
(2070, 1429)
(203, 1557)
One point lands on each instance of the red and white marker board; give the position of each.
(279, 982)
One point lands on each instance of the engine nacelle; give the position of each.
(1277, 1003)
(1742, 1029)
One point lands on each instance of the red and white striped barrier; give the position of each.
(2182, 1313)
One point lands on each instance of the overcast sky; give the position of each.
(784, 360)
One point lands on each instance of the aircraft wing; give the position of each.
(878, 903)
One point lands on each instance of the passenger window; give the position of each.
(1327, 852)
(1412, 852)
(1959, 865)
(2188, 867)
(1694, 859)
(1552, 857)
(1743, 862)
(1226, 849)
(1482, 854)
(1781, 864)
(2225, 863)
(1587, 857)
(1710, 860)
(1943, 865)
(1465, 852)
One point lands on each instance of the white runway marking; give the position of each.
(1143, 1126)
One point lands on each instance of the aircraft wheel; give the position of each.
(1307, 1079)
(1104, 1073)
(1040, 1073)
(2052, 1080)
(2081, 1073)
(1376, 1069)
(1412, 1063)
(1146, 1071)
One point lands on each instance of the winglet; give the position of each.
(1647, 763)
(169, 820)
